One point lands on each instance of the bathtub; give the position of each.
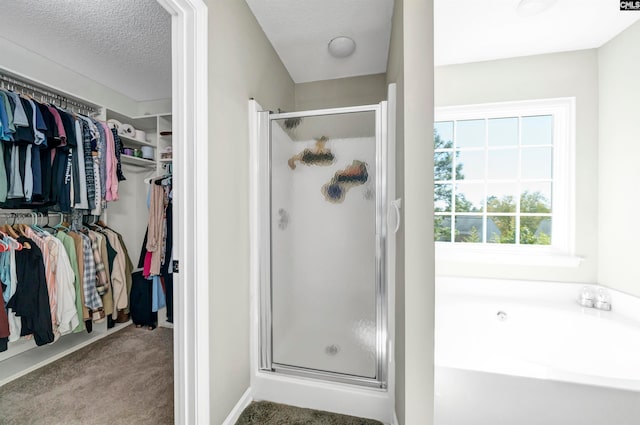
(537, 330)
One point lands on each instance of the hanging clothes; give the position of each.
(69, 248)
(118, 272)
(49, 274)
(156, 253)
(4, 325)
(142, 313)
(31, 300)
(50, 283)
(66, 312)
(59, 282)
(156, 227)
(15, 324)
(166, 271)
(48, 157)
(80, 256)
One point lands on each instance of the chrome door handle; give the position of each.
(396, 204)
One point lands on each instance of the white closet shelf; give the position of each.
(126, 140)
(166, 159)
(146, 122)
(134, 160)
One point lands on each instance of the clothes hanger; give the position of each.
(12, 235)
(9, 230)
(61, 224)
(98, 223)
(78, 225)
(4, 247)
(48, 225)
(20, 228)
(150, 180)
(91, 224)
(35, 225)
(13, 244)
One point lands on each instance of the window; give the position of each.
(503, 176)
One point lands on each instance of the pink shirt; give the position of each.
(112, 176)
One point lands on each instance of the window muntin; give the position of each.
(496, 174)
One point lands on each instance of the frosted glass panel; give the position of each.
(323, 243)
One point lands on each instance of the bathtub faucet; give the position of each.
(600, 300)
(603, 300)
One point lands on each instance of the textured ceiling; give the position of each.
(123, 44)
(300, 31)
(126, 44)
(472, 30)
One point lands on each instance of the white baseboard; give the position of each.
(239, 407)
(322, 395)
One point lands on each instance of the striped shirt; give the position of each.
(101, 275)
(91, 298)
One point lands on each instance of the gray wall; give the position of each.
(619, 89)
(352, 91)
(411, 67)
(537, 77)
(242, 65)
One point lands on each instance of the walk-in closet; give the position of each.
(86, 221)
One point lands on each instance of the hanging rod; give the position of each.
(35, 216)
(45, 94)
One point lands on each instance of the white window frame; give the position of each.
(561, 252)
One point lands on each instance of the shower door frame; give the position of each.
(266, 363)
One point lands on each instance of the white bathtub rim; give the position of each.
(623, 304)
(557, 295)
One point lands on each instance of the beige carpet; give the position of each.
(267, 413)
(124, 378)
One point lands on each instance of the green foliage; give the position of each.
(534, 202)
(507, 227)
(530, 202)
(528, 228)
(474, 236)
(442, 229)
(443, 171)
(506, 204)
(543, 239)
(464, 205)
(439, 143)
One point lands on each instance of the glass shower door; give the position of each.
(326, 244)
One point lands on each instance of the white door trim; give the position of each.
(190, 137)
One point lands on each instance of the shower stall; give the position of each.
(322, 244)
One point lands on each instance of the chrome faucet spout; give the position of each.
(587, 297)
(603, 300)
(590, 298)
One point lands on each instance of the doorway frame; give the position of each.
(189, 46)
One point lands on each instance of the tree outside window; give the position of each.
(507, 197)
